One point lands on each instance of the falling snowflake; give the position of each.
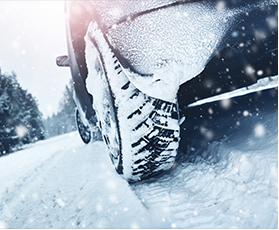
(226, 103)
(272, 22)
(259, 72)
(210, 111)
(220, 5)
(21, 130)
(245, 113)
(235, 34)
(259, 130)
(249, 70)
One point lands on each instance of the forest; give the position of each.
(21, 121)
(64, 120)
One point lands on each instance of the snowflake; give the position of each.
(249, 70)
(210, 111)
(259, 130)
(259, 72)
(226, 103)
(220, 5)
(21, 130)
(245, 113)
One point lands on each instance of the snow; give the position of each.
(61, 183)
(126, 103)
(230, 182)
(168, 47)
(176, 46)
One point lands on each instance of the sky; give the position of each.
(32, 35)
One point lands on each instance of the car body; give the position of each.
(174, 51)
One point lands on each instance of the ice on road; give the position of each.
(226, 182)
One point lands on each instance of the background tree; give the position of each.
(64, 120)
(20, 119)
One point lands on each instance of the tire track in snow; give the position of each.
(16, 193)
(77, 187)
(218, 182)
(215, 184)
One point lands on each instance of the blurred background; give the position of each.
(35, 94)
(32, 36)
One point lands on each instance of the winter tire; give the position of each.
(83, 130)
(141, 132)
(129, 64)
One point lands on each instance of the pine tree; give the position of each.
(20, 118)
(64, 120)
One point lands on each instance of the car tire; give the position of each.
(83, 130)
(141, 132)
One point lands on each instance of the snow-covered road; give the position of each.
(61, 183)
(226, 177)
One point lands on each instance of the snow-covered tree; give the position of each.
(63, 121)
(20, 118)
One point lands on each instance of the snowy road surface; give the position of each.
(226, 177)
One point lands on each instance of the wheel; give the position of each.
(141, 132)
(83, 130)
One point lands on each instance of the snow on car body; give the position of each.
(136, 63)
